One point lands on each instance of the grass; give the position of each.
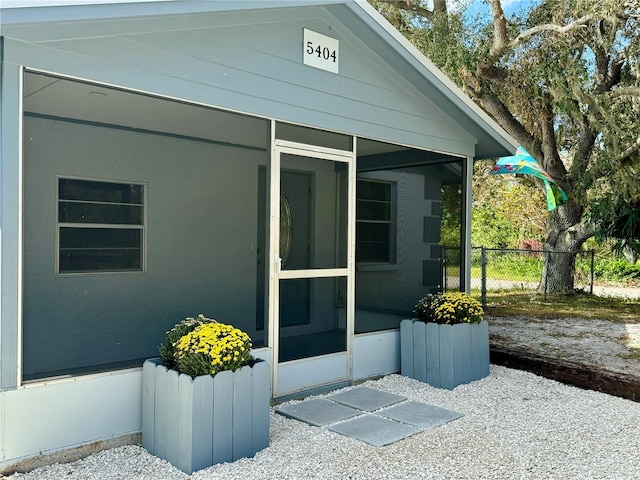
(583, 305)
(504, 272)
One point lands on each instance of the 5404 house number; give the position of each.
(320, 51)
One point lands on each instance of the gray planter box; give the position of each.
(444, 356)
(195, 423)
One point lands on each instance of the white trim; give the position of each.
(313, 151)
(280, 147)
(316, 273)
(468, 206)
(273, 174)
(20, 223)
(351, 258)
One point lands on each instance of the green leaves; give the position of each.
(167, 349)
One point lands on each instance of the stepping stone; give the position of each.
(366, 399)
(374, 430)
(420, 415)
(318, 411)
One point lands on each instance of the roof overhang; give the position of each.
(357, 15)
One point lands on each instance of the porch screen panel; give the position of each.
(405, 218)
(131, 227)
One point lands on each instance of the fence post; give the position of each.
(592, 267)
(483, 276)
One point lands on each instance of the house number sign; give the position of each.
(320, 51)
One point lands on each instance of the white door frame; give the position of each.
(325, 369)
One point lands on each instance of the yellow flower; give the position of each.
(210, 348)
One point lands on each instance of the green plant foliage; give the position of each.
(448, 309)
(514, 266)
(505, 211)
(167, 349)
(451, 217)
(491, 229)
(618, 270)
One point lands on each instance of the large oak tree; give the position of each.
(562, 77)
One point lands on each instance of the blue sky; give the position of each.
(509, 6)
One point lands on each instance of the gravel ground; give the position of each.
(515, 426)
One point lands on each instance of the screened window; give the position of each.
(374, 221)
(100, 226)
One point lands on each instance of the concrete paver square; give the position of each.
(374, 430)
(318, 411)
(420, 415)
(367, 399)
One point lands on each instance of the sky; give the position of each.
(509, 6)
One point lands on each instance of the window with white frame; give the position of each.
(374, 221)
(100, 226)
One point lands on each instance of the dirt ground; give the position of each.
(604, 344)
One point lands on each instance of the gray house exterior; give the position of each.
(283, 166)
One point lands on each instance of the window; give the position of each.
(100, 226)
(374, 225)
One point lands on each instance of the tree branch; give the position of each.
(495, 74)
(501, 114)
(625, 92)
(585, 147)
(499, 39)
(602, 67)
(552, 162)
(633, 148)
(550, 27)
(614, 75)
(594, 106)
(580, 232)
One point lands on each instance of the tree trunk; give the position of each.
(565, 236)
(558, 272)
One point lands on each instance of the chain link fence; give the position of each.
(495, 270)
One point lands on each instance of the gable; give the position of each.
(248, 61)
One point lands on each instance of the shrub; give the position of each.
(448, 308)
(167, 349)
(202, 346)
(617, 270)
(211, 348)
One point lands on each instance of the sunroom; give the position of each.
(291, 170)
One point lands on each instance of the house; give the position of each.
(289, 167)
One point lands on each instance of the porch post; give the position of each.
(10, 221)
(467, 179)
